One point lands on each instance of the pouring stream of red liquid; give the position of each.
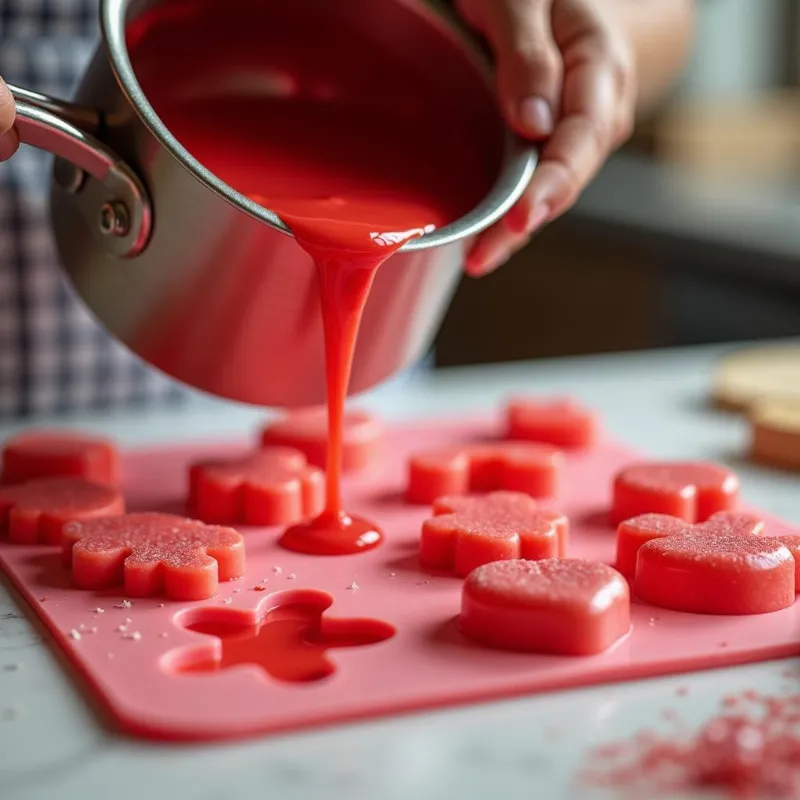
(379, 158)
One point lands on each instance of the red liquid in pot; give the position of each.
(346, 144)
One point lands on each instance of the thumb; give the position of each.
(529, 68)
(9, 140)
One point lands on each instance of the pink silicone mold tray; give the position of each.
(388, 643)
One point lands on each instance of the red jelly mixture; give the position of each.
(347, 140)
(290, 644)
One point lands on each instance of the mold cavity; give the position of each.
(289, 642)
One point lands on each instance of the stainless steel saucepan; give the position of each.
(208, 286)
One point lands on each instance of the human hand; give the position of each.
(565, 77)
(9, 139)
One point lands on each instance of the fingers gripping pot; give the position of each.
(203, 283)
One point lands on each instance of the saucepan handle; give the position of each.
(121, 210)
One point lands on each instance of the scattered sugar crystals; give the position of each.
(133, 635)
(75, 634)
(751, 749)
(98, 610)
(353, 587)
(259, 587)
(291, 576)
(277, 570)
(227, 600)
(124, 604)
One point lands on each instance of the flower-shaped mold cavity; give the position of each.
(288, 637)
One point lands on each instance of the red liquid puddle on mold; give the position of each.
(290, 644)
(347, 142)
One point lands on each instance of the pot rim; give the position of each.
(518, 166)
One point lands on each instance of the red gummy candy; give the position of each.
(469, 531)
(52, 454)
(792, 543)
(307, 431)
(534, 469)
(692, 491)
(633, 533)
(560, 422)
(274, 486)
(560, 606)
(151, 554)
(37, 511)
(726, 574)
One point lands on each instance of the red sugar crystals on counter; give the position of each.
(751, 750)
(307, 431)
(150, 554)
(534, 469)
(37, 511)
(559, 606)
(469, 531)
(275, 486)
(633, 533)
(723, 574)
(692, 491)
(559, 422)
(50, 454)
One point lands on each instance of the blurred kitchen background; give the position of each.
(690, 235)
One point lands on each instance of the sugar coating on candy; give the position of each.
(559, 422)
(466, 532)
(50, 454)
(633, 533)
(37, 511)
(792, 542)
(561, 606)
(725, 574)
(534, 469)
(149, 554)
(275, 486)
(307, 431)
(692, 491)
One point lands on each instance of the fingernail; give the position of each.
(535, 116)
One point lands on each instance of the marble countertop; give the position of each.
(52, 745)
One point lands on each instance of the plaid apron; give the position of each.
(53, 357)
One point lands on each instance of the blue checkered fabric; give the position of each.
(53, 357)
